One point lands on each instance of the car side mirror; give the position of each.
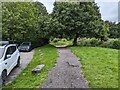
(8, 56)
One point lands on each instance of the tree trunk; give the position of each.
(75, 40)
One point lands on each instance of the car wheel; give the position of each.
(18, 62)
(4, 76)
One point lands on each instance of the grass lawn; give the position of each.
(46, 55)
(99, 66)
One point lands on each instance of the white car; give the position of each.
(9, 58)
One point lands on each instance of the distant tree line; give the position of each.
(114, 29)
(29, 21)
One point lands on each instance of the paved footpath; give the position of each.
(66, 73)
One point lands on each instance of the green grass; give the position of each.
(99, 66)
(46, 55)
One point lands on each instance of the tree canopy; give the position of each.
(113, 29)
(23, 21)
(79, 19)
(29, 21)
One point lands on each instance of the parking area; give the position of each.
(25, 58)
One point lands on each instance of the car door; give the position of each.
(7, 60)
(14, 56)
(11, 58)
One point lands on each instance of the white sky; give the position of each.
(108, 8)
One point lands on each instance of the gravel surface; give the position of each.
(66, 73)
(25, 58)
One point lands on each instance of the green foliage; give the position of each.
(111, 43)
(55, 40)
(60, 42)
(79, 19)
(89, 42)
(106, 44)
(94, 42)
(46, 55)
(101, 31)
(99, 66)
(24, 21)
(114, 31)
(116, 44)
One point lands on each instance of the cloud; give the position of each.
(107, 0)
(48, 4)
(119, 11)
(108, 8)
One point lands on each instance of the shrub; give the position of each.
(116, 44)
(64, 40)
(83, 42)
(105, 44)
(94, 42)
(111, 43)
(55, 40)
(87, 42)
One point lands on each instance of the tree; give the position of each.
(21, 21)
(79, 19)
(118, 30)
(114, 29)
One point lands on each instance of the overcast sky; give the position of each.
(108, 8)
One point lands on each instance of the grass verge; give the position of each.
(46, 55)
(99, 66)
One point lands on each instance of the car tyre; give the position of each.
(18, 62)
(4, 76)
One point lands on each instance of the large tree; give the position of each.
(79, 19)
(22, 20)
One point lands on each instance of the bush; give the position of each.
(105, 44)
(81, 41)
(89, 42)
(116, 44)
(111, 43)
(55, 40)
(64, 40)
(60, 42)
(95, 42)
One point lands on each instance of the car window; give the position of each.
(1, 52)
(25, 44)
(11, 50)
